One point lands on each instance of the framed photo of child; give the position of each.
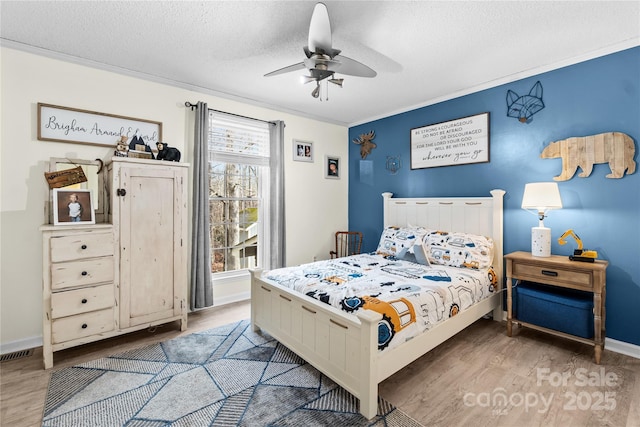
(332, 167)
(302, 151)
(72, 207)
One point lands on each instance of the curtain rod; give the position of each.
(194, 106)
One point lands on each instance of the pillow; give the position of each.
(399, 242)
(462, 250)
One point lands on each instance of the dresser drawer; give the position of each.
(553, 275)
(83, 300)
(81, 246)
(82, 325)
(78, 273)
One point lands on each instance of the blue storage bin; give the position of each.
(555, 308)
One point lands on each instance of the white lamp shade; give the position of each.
(541, 196)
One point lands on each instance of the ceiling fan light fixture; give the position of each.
(322, 60)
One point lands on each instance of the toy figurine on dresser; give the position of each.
(170, 154)
(121, 147)
(138, 147)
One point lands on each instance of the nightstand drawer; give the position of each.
(81, 246)
(82, 300)
(79, 273)
(82, 325)
(553, 275)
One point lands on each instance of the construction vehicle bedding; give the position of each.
(411, 297)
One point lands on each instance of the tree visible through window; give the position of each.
(234, 211)
(238, 185)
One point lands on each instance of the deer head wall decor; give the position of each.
(366, 143)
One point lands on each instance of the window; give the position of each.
(238, 192)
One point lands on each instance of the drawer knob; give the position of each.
(84, 273)
(550, 273)
(83, 247)
(84, 300)
(84, 326)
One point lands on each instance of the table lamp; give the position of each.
(541, 197)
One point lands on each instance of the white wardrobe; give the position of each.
(127, 274)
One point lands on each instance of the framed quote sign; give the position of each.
(64, 124)
(455, 142)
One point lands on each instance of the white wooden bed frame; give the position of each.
(345, 347)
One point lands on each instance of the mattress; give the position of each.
(411, 297)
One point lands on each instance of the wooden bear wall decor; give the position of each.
(366, 143)
(615, 148)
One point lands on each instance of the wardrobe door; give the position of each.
(152, 225)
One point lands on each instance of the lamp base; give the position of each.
(541, 241)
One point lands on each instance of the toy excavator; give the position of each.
(579, 254)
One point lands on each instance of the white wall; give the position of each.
(315, 207)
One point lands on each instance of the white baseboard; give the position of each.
(243, 296)
(33, 342)
(19, 345)
(622, 347)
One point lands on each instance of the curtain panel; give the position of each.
(276, 212)
(201, 289)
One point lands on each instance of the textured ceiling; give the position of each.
(424, 51)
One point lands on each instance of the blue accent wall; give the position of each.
(595, 96)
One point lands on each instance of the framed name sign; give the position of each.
(64, 124)
(455, 142)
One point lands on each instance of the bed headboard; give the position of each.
(475, 215)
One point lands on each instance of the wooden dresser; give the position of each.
(79, 292)
(108, 279)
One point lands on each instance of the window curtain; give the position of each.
(276, 214)
(201, 289)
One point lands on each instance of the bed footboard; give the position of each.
(342, 348)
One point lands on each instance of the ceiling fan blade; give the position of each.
(320, 30)
(351, 67)
(290, 68)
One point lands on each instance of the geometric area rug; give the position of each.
(226, 376)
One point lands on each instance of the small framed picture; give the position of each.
(72, 207)
(332, 167)
(302, 151)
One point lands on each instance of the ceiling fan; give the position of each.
(322, 60)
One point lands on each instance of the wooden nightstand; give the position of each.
(559, 271)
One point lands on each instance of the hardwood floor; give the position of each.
(545, 380)
(459, 383)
